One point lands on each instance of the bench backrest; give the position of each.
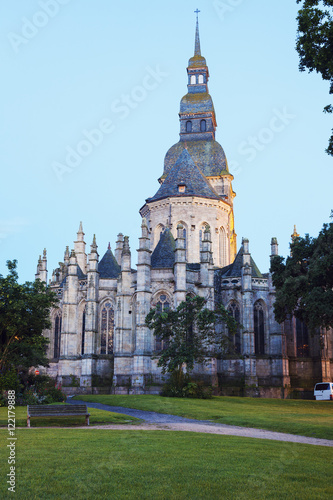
(49, 410)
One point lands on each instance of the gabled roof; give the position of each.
(164, 254)
(80, 273)
(108, 267)
(185, 172)
(234, 269)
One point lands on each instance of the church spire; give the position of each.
(197, 51)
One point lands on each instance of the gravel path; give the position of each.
(162, 421)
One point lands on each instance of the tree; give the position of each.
(304, 282)
(24, 314)
(315, 43)
(189, 333)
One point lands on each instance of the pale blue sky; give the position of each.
(73, 71)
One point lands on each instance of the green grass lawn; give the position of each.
(307, 418)
(96, 417)
(93, 464)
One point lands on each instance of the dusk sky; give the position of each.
(72, 67)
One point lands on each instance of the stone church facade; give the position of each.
(187, 247)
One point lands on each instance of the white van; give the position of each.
(324, 391)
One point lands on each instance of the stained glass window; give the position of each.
(107, 328)
(302, 339)
(259, 328)
(162, 304)
(57, 334)
(83, 330)
(233, 310)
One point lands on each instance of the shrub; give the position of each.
(180, 385)
(10, 381)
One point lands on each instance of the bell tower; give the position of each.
(196, 186)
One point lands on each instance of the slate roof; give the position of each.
(108, 266)
(164, 254)
(196, 102)
(185, 172)
(234, 269)
(80, 275)
(208, 155)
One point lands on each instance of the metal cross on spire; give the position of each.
(197, 51)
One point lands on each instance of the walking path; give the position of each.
(162, 421)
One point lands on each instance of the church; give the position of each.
(188, 247)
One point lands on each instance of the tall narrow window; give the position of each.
(83, 330)
(162, 304)
(233, 310)
(223, 247)
(57, 335)
(302, 339)
(201, 234)
(107, 328)
(193, 80)
(259, 328)
(189, 126)
(203, 126)
(201, 79)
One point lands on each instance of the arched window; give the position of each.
(203, 126)
(162, 304)
(302, 339)
(201, 234)
(201, 79)
(83, 330)
(107, 328)
(233, 310)
(259, 328)
(57, 334)
(189, 126)
(193, 80)
(223, 247)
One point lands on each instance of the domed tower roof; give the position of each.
(185, 179)
(198, 121)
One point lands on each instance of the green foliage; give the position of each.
(33, 390)
(180, 385)
(315, 43)
(10, 381)
(189, 333)
(304, 282)
(24, 314)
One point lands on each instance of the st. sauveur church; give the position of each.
(187, 247)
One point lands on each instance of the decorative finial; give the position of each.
(109, 246)
(197, 51)
(80, 228)
(295, 234)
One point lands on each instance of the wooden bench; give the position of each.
(57, 411)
